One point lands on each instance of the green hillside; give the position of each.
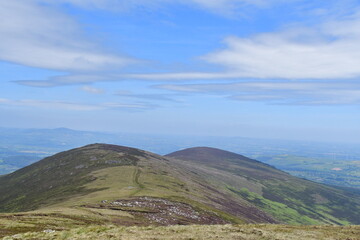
(100, 176)
(102, 184)
(288, 199)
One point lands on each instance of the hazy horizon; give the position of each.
(194, 135)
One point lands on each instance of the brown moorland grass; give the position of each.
(242, 232)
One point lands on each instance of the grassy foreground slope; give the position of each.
(242, 232)
(288, 199)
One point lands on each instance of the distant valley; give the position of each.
(338, 172)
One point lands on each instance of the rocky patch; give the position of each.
(158, 211)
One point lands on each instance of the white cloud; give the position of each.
(63, 105)
(73, 106)
(39, 36)
(148, 96)
(280, 92)
(92, 90)
(67, 80)
(74, 79)
(330, 51)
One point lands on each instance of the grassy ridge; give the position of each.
(59, 177)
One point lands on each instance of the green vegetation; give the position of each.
(244, 232)
(339, 172)
(286, 198)
(104, 185)
(279, 210)
(83, 178)
(59, 177)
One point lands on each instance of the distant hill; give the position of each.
(129, 186)
(222, 159)
(310, 160)
(287, 198)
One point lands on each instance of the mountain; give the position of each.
(102, 177)
(102, 183)
(287, 198)
(320, 162)
(224, 159)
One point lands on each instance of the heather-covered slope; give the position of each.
(287, 198)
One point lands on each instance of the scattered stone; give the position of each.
(113, 162)
(80, 166)
(164, 212)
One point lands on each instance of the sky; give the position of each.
(248, 68)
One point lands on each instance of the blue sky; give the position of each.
(254, 68)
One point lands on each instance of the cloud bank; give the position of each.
(279, 92)
(330, 52)
(73, 106)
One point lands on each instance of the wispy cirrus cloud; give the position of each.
(76, 79)
(148, 96)
(92, 90)
(327, 51)
(70, 79)
(74, 106)
(39, 35)
(279, 92)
